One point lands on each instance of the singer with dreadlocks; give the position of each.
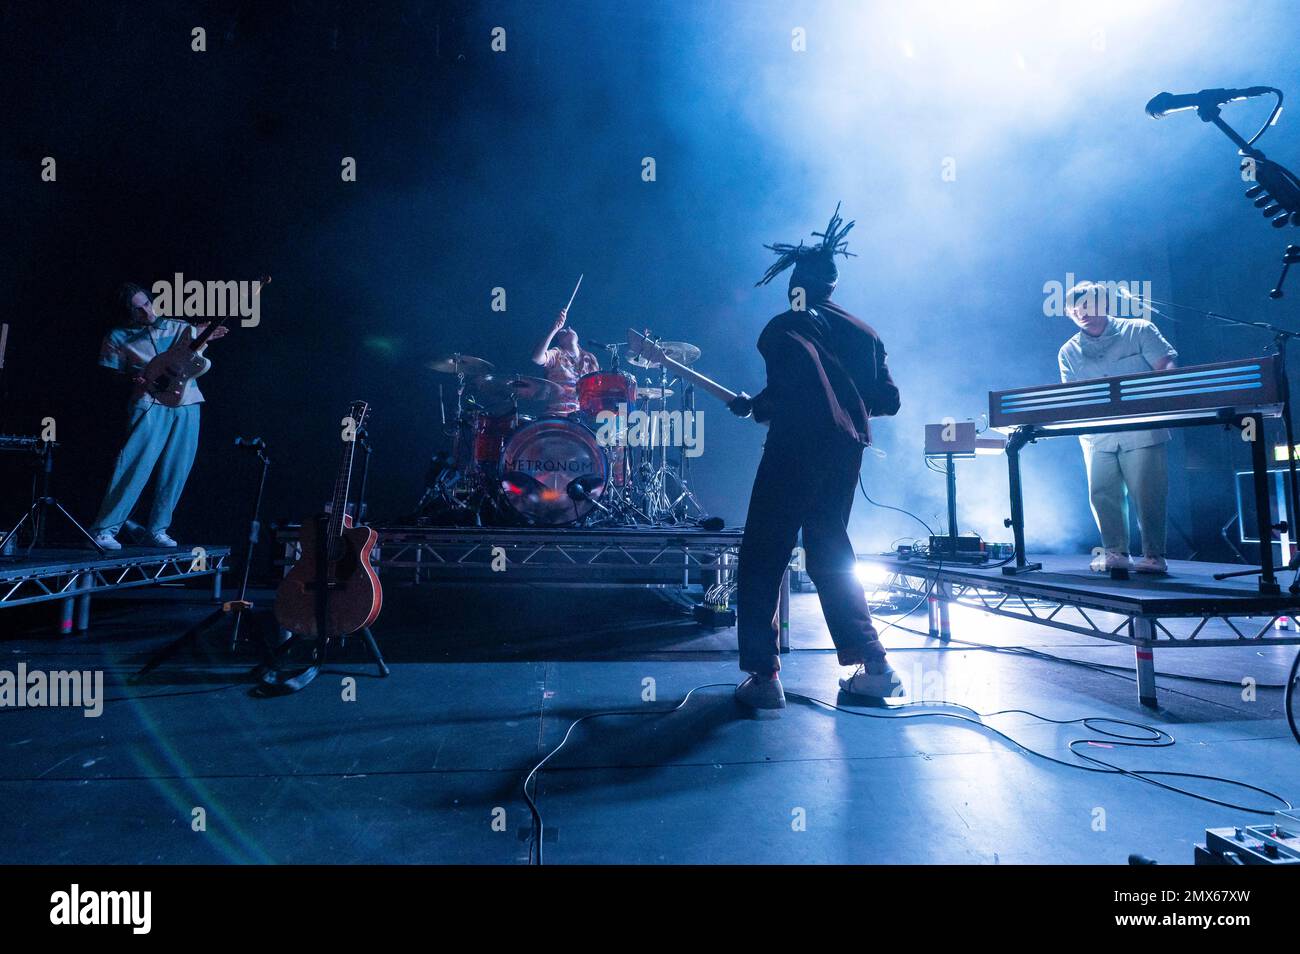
(826, 378)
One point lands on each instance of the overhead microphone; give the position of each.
(252, 443)
(1162, 104)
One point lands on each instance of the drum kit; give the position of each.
(511, 463)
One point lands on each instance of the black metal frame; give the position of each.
(1030, 433)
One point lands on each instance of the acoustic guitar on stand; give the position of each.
(333, 590)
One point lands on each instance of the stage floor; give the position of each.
(486, 681)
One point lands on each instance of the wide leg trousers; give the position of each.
(160, 438)
(1140, 475)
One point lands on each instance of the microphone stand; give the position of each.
(235, 608)
(1281, 337)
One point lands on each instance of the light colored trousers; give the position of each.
(162, 437)
(1144, 472)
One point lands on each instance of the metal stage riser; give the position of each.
(72, 585)
(559, 556)
(1142, 632)
(996, 604)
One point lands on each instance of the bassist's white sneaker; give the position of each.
(107, 540)
(160, 539)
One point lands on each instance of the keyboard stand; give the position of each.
(1249, 423)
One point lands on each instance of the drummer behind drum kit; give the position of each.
(510, 464)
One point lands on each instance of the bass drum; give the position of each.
(551, 470)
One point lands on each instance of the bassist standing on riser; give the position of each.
(159, 437)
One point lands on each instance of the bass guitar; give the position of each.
(641, 346)
(165, 376)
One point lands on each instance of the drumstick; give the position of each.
(575, 293)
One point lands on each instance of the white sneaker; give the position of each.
(884, 685)
(107, 540)
(1151, 564)
(160, 539)
(1109, 560)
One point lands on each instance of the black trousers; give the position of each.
(803, 483)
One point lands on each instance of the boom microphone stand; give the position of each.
(1276, 193)
(236, 608)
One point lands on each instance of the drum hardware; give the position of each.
(658, 501)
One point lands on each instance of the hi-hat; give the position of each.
(653, 394)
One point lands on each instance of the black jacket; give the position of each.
(826, 375)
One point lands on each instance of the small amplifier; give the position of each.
(970, 548)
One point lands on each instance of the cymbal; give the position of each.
(653, 394)
(459, 364)
(520, 386)
(680, 351)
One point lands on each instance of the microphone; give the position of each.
(1142, 302)
(252, 443)
(1162, 104)
(580, 488)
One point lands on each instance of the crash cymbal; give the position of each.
(653, 394)
(520, 386)
(680, 351)
(459, 364)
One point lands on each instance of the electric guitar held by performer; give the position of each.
(333, 590)
(164, 378)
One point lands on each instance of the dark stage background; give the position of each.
(520, 169)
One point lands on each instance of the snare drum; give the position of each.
(551, 471)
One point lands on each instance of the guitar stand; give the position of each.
(275, 681)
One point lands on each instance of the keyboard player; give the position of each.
(1130, 465)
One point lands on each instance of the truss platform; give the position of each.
(1184, 609)
(668, 557)
(631, 556)
(71, 577)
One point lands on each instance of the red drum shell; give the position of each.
(605, 391)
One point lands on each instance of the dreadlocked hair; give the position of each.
(832, 243)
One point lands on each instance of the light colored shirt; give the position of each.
(1128, 345)
(130, 348)
(562, 369)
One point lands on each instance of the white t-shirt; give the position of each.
(130, 348)
(1127, 345)
(563, 370)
